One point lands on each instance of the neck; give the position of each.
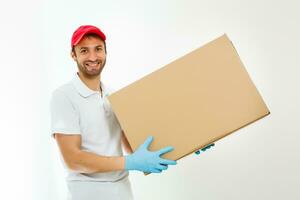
(91, 82)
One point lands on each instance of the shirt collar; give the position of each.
(84, 90)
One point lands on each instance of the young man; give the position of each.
(87, 132)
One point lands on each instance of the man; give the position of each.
(87, 132)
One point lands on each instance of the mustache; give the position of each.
(93, 61)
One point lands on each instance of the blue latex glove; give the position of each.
(148, 161)
(205, 148)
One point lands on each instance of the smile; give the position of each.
(92, 64)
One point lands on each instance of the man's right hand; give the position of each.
(148, 161)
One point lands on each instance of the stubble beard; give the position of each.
(91, 74)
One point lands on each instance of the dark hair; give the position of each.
(92, 35)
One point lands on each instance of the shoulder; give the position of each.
(63, 99)
(65, 91)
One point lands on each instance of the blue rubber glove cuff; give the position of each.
(205, 148)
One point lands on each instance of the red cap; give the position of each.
(83, 30)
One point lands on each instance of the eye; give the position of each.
(99, 49)
(83, 51)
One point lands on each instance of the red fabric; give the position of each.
(83, 30)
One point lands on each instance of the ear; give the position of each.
(73, 55)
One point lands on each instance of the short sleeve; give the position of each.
(64, 116)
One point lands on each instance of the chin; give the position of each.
(93, 73)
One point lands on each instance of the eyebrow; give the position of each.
(91, 46)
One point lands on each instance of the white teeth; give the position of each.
(92, 64)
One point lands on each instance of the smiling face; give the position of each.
(90, 56)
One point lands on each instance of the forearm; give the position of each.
(126, 144)
(87, 162)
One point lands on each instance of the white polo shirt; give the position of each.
(76, 109)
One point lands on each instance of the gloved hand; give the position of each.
(205, 148)
(148, 161)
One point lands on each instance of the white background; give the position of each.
(261, 161)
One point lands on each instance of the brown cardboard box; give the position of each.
(191, 102)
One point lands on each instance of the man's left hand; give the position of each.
(205, 148)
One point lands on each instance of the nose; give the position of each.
(93, 56)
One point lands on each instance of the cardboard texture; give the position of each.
(191, 102)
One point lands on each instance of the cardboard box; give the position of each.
(191, 102)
